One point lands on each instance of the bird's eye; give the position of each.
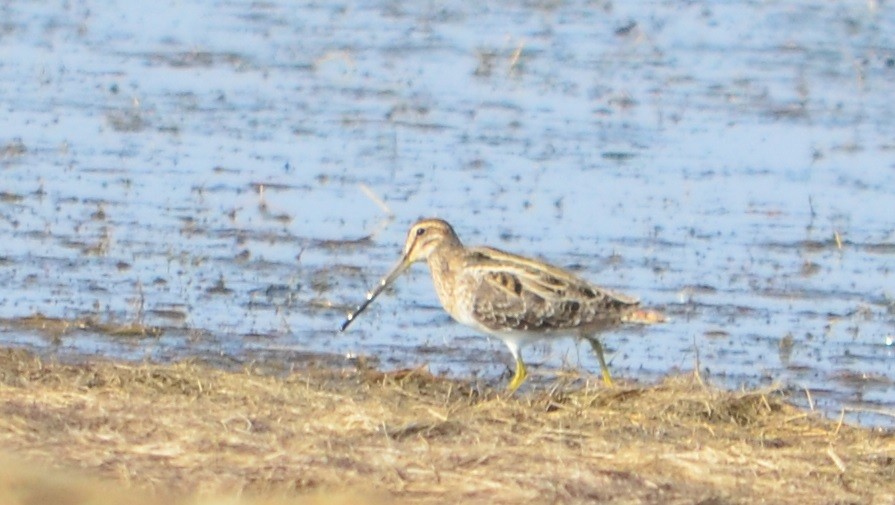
(420, 232)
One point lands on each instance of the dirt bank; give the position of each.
(198, 432)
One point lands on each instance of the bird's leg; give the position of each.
(519, 376)
(598, 350)
(521, 373)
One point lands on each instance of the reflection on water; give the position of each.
(225, 173)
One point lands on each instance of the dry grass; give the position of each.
(194, 433)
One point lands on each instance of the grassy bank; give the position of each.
(191, 433)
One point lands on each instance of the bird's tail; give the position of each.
(644, 316)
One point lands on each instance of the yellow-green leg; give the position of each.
(521, 373)
(598, 350)
(519, 376)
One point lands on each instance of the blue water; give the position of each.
(703, 157)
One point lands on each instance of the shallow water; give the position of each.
(239, 174)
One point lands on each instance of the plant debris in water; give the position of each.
(187, 432)
(56, 327)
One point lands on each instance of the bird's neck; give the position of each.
(444, 265)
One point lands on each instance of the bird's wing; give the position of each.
(514, 293)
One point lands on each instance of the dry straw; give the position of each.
(190, 433)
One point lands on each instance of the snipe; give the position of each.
(514, 298)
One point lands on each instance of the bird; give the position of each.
(516, 299)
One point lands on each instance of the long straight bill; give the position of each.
(384, 283)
